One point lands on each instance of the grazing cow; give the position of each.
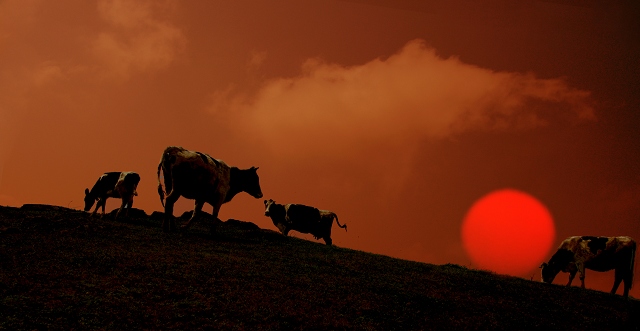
(576, 254)
(302, 218)
(200, 177)
(121, 185)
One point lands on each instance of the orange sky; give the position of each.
(397, 115)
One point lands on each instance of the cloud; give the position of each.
(31, 67)
(135, 40)
(412, 95)
(47, 72)
(382, 110)
(256, 59)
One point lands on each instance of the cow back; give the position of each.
(304, 219)
(197, 175)
(130, 179)
(302, 212)
(127, 184)
(105, 183)
(598, 253)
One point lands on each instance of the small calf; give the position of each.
(304, 219)
(121, 185)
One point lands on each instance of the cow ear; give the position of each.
(86, 191)
(543, 265)
(265, 202)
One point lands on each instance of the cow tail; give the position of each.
(338, 222)
(160, 190)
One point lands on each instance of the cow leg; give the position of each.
(169, 223)
(282, 228)
(327, 235)
(104, 204)
(616, 282)
(628, 278)
(124, 203)
(628, 274)
(582, 274)
(625, 276)
(120, 209)
(129, 205)
(572, 275)
(328, 240)
(96, 209)
(216, 210)
(100, 204)
(196, 209)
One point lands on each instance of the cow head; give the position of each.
(253, 183)
(267, 207)
(89, 200)
(276, 211)
(549, 272)
(244, 181)
(558, 262)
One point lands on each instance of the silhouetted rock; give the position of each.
(8, 208)
(202, 215)
(132, 213)
(241, 225)
(42, 207)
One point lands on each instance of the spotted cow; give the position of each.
(121, 185)
(304, 219)
(200, 177)
(576, 254)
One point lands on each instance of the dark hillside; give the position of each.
(61, 269)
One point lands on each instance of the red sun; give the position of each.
(508, 232)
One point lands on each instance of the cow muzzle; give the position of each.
(257, 195)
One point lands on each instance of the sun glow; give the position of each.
(508, 232)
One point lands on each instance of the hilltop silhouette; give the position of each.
(62, 269)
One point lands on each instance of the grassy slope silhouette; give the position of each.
(62, 269)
